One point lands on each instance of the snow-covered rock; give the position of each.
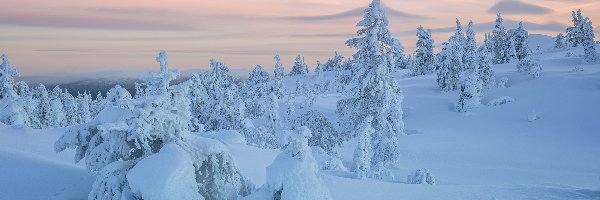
(168, 174)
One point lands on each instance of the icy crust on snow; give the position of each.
(169, 174)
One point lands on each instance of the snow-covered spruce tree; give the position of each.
(294, 173)
(334, 63)
(224, 109)
(278, 71)
(589, 41)
(83, 102)
(118, 96)
(424, 58)
(319, 70)
(531, 66)
(70, 107)
(290, 112)
(58, 117)
(559, 43)
(374, 93)
(520, 38)
(450, 61)
(575, 34)
(42, 112)
(274, 125)
(362, 153)
(12, 106)
(299, 67)
(119, 139)
(256, 89)
(470, 91)
(501, 42)
(324, 134)
(399, 60)
(486, 73)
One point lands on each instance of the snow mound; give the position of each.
(225, 136)
(421, 176)
(166, 175)
(500, 101)
(113, 114)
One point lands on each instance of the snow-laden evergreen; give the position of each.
(502, 46)
(335, 63)
(278, 70)
(520, 38)
(451, 61)
(559, 43)
(362, 153)
(582, 33)
(324, 134)
(485, 59)
(299, 67)
(424, 58)
(374, 93)
(471, 85)
(12, 107)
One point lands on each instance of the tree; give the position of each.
(501, 42)
(362, 153)
(560, 41)
(299, 67)
(257, 88)
(582, 33)
(278, 67)
(12, 107)
(470, 91)
(57, 111)
(531, 66)
(374, 92)
(451, 61)
(7, 81)
(424, 58)
(486, 73)
(520, 39)
(334, 63)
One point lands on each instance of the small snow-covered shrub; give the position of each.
(500, 101)
(327, 161)
(569, 54)
(421, 176)
(324, 134)
(532, 116)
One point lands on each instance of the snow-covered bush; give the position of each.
(326, 161)
(294, 173)
(532, 116)
(531, 66)
(324, 134)
(502, 82)
(421, 176)
(500, 101)
(577, 69)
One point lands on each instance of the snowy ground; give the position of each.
(493, 152)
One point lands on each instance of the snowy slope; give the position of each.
(492, 152)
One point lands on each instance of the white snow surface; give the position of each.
(490, 152)
(167, 175)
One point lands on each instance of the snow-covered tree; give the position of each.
(575, 34)
(399, 60)
(84, 102)
(501, 42)
(70, 108)
(424, 58)
(335, 63)
(589, 41)
(290, 112)
(299, 67)
(118, 96)
(278, 67)
(58, 117)
(559, 43)
(470, 91)
(531, 66)
(362, 153)
(256, 89)
(374, 92)
(486, 73)
(324, 134)
(451, 61)
(7, 81)
(520, 39)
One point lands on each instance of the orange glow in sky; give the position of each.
(74, 36)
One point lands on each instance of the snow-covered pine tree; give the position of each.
(575, 33)
(374, 92)
(589, 41)
(450, 61)
(7, 81)
(424, 58)
(57, 111)
(224, 109)
(319, 70)
(299, 67)
(486, 73)
(119, 97)
(290, 112)
(256, 89)
(399, 60)
(70, 107)
(520, 39)
(531, 66)
(278, 71)
(83, 102)
(501, 42)
(12, 106)
(559, 43)
(334, 63)
(362, 153)
(470, 90)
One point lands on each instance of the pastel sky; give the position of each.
(74, 36)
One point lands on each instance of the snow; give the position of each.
(491, 152)
(168, 174)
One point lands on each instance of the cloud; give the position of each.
(509, 24)
(79, 21)
(356, 13)
(517, 7)
(129, 10)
